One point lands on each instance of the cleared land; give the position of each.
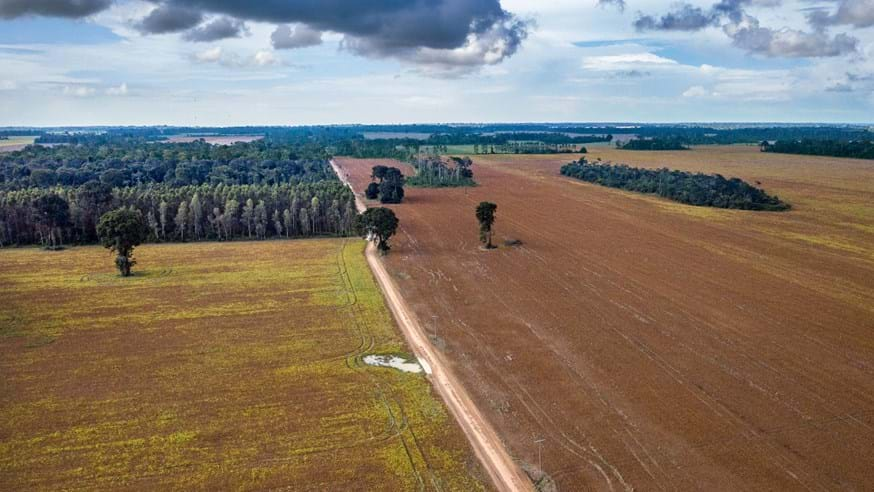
(12, 144)
(218, 366)
(655, 345)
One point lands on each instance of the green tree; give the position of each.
(485, 214)
(372, 191)
(120, 231)
(377, 224)
(52, 213)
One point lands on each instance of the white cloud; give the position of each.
(78, 91)
(211, 55)
(264, 58)
(626, 61)
(696, 91)
(117, 91)
(8, 85)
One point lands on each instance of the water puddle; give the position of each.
(394, 361)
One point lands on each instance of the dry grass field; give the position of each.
(654, 345)
(218, 366)
(15, 143)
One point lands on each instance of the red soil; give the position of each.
(652, 345)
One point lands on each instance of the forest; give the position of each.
(684, 187)
(857, 149)
(664, 143)
(134, 162)
(433, 172)
(187, 191)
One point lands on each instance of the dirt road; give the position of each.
(505, 474)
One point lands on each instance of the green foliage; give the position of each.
(390, 188)
(857, 149)
(432, 172)
(377, 224)
(693, 189)
(120, 231)
(485, 214)
(372, 191)
(665, 143)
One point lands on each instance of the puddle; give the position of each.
(394, 361)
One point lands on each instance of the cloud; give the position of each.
(78, 90)
(302, 36)
(52, 8)
(696, 91)
(217, 55)
(619, 4)
(220, 28)
(117, 91)
(789, 43)
(684, 18)
(168, 19)
(8, 85)
(858, 13)
(626, 62)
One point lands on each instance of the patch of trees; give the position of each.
(135, 163)
(433, 172)
(857, 149)
(389, 148)
(665, 143)
(377, 224)
(684, 187)
(387, 185)
(58, 215)
(517, 137)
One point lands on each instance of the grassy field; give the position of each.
(15, 143)
(217, 366)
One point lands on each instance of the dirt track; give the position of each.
(655, 346)
(504, 473)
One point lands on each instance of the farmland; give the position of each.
(12, 144)
(656, 345)
(217, 366)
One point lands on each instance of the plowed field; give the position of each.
(218, 366)
(655, 345)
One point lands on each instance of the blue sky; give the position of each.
(211, 63)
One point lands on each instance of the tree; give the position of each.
(120, 231)
(52, 213)
(372, 191)
(377, 224)
(182, 220)
(485, 214)
(378, 172)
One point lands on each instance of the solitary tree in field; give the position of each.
(120, 231)
(485, 214)
(377, 224)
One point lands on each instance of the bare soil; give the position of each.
(655, 345)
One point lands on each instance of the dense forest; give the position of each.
(690, 188)
(666, 143)
(857, 149)
(134, 163)
(433, 172)
(184, 213)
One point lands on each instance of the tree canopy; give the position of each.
(377, 224)
(120, 231)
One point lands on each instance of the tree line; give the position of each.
(58, 215)
(857, 149)
(684, 187)
(135, 163)
(662, 143)
(433, 172)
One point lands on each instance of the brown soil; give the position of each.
(655, 345)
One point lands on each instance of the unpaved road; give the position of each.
(503, 471)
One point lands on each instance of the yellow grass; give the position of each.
(217, 366)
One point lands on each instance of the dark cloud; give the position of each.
(52, 8)
(221, 28)
(857, 13)
(789, 43)
(302, 36)
(619, 4)
(684, 18)
(169, 18)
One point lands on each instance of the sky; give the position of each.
(297, 62)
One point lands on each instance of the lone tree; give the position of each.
(485, 214)
(377, 224)
(120, 231)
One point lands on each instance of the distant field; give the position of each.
(215, 139)
(219, 366)
(379, 135)
(15, 143)
(655, 345)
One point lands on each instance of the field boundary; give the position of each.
(502, 469)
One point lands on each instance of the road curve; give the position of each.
(503, 471)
